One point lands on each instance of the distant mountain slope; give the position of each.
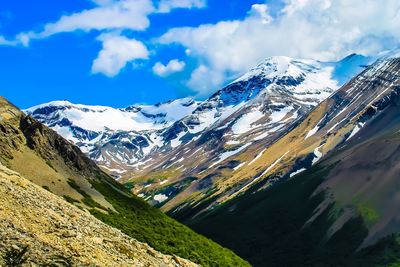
(114, 138)
(45, 158)
(192, 158)
(55, 231)
(326, 193)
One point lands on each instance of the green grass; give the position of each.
(87, 199)
(270, 228)
(137, 219)
(369, 214)
(51, 165)
(70, 199)
(129, 185)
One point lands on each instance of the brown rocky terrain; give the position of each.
(56, 230)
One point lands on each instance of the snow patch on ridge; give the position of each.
(160, 198)
(258, 156)
(246, 123)
(318, 155)
(297, 172)
(229, 154)
(356, 129)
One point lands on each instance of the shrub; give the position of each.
(15, 257)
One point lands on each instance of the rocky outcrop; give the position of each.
(55, 231)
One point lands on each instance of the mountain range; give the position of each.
(292, 164)
(339, 203)
(170, 152)
(57, 202)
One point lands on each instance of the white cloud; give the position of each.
(260, 11)
(173, 66)
(117, 52)
(166, 6)
(109, 15)
(319, 29)
(20, 39)
(204, 80)
(6, 42)
(112, 15)
(102, 2)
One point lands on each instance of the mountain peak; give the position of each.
(55, 103)
(278, 66)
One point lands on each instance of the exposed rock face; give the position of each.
(52, 228)
(246, 116)
(328, 189)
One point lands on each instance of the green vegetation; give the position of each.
(15, 257)
(70, 199)
(147, 224)
(44, 157)
(46, 187)
(87, 199)
(51, 165)
(59, 261)
(129, 185)
(369, 214)
(170, 190)
(273, 227)
(386, 253)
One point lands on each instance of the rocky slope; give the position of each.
(191, 158)
(330, 125)
(56, 231)
(325, 194)
(48, 160)
(115, 138)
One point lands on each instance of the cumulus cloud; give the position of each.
(116, 53)
(319, 29)
(166, 6)
(111, 16)
(172, 67)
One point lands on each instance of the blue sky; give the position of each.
(56, 50)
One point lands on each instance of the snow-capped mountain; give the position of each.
(366, 108)
(169, 142)
(111, 136)
(335, 180)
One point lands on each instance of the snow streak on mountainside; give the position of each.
(336, 123)
(112, 137)
(336, 184)
(172, 150)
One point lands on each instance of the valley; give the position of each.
(200, 133)
(264, 145)
(41, 156)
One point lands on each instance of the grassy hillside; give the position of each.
(332, 215)
(280, 227)
(48, 160)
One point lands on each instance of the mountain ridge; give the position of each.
(326, 192)
(48, 160)
(247, 114)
